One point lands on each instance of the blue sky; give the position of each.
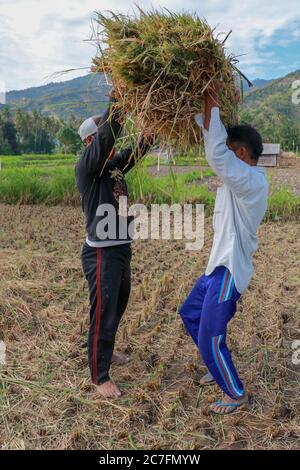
(39, 38)
(281, 52)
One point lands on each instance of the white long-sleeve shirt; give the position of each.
(239, 208)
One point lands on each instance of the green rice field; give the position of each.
(49, 179)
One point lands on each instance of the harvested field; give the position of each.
(47, 401)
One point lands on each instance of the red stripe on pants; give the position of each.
(225, 286)
(98, 316)
(226, 379)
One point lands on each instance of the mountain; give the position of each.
(82, 96)
(268, 105)
(272, 111)
(257, 83)
(276, 97)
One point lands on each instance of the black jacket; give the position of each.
(100, 181)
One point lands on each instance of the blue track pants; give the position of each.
(205, 313)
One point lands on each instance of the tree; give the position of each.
(274, 127)
(8, 134)
(35, 132)
(69, 138)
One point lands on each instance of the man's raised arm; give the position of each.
(98, 151)
(126, 159)
(237, 174)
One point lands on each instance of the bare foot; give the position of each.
(120, 359)
(207, 379)
(108, 390)
(228, 405)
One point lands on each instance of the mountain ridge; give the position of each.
(268, 105)
(80, 96)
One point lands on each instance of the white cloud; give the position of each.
(39, 38)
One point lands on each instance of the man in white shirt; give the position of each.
(239, 209)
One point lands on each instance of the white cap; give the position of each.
(88, 127)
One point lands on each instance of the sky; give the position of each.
(40, 38)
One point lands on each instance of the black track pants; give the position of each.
(107, 271)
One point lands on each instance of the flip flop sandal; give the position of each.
(234, 407)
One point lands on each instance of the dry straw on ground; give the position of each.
(160, 64)
(46, 399)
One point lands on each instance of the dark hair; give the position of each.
(248, 137)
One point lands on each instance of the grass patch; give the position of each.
(36, 185)
(53, 182)
(283, 205)
(169, 189)
(190, 160)
(17, 161)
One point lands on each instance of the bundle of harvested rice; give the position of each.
(160, 65)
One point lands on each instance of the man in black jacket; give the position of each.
(106, 255)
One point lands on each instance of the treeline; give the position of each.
(274, 128)
(33, 132)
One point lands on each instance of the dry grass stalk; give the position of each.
(47, 401)
(160, 64)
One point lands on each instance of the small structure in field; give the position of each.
(270, 155)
